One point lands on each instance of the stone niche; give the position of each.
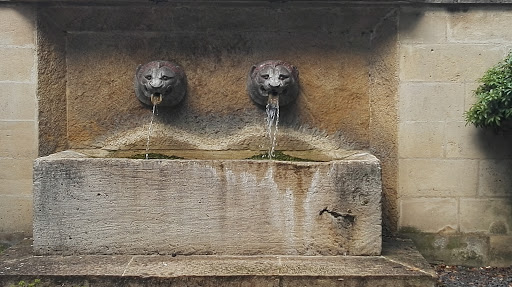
(89, 205)
(88, 56)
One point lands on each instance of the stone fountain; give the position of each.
(201, 207)
(213, 217)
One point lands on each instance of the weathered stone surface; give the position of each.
(400, 265)
(241, 207)
(423, 25)
(486, 215)
(334, 102)
(17, 25)
(431, 101)
(383, 127)
(18, 139)
(51, 88)
(481, 26)
(17, 64)
(15, 208)
(495, 179)
(500, 251)
(347, 57)
(429, 214)
(216, 46)
(421, 140)
(453, 248)
(447, 62)
(18, 102)
(453, 178)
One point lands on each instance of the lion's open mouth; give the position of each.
(276, 92)
(271, 92)
(156, 98)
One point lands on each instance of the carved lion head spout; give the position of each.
(273, 79)
(160, 83)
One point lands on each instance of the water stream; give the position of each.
(150, 130)
(272, 121)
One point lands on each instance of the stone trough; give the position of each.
(85, 205)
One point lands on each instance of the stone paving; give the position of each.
(400, 265)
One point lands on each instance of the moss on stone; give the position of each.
(279, 155)
(154, 156)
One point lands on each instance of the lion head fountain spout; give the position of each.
(273, 81)
(160, 83)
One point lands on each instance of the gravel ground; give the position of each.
(457, 276)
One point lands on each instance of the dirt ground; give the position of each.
(457, 276)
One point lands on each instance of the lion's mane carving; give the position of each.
(274, 78)
(160, 83)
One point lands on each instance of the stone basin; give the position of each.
(88, 205)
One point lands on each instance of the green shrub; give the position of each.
(493, 108)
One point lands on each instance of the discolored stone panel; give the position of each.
(225, 207)
(100, 71)
(334, 49)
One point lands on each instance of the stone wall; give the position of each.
(454, 179)
(18, 120)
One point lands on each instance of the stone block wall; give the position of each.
(18, 120)
(454, 179)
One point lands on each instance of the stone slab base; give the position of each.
(399, 265)
(202, 207)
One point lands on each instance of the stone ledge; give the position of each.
(400, 265)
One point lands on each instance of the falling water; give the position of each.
(150, 129)
(272, 121)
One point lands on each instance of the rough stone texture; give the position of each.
(383, 127)
(51, 87)
(400, 265)
(123, 206)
